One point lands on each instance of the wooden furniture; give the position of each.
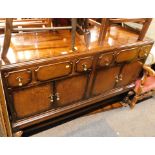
(106, 22)
(9, 28)
(145, 87)
(42, 78)
(27, 22)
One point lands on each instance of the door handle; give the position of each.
(51, 98)
(57, 96)
(116, 78)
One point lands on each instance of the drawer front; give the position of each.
(84, 64)
(105, 59)
(127, 55)
(144, 51)
(52, 71)
(18, 78)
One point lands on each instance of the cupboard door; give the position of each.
(105, 80)
(130, 72)
(34, 100)
(71, 90)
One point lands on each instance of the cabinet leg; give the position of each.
(133, 102)
(126, 101)
(17, 134)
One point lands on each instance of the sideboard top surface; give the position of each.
(33, 46)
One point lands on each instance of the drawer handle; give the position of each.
(85, 67)
(19, 81)
(51, 98)
(107, 63)
(67, 66)
(57, 96)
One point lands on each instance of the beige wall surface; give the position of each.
(151, 30)
(151, 34)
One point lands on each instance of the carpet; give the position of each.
(121, 122)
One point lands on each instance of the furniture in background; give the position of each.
(145, 87)
(106, 22)
(27, 22)
(10, 27)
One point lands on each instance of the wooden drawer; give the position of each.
(127, 55)
(84, 64)
(105, 59)
(52, 71)
(144, 51)
(18, 78)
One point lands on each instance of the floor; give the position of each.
(120, 122)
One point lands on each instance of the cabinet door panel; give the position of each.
(30, 101)
(105, 80)
(130, 73)
(71, 89)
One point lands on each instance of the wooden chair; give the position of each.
(106, 22)
(11, 27)
(145, 86)
(27, 22)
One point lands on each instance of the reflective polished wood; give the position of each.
(40, 45)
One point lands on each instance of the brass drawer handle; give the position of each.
(67, 66)
(85, 67)
(57, 96)
(107, 63)
(19, 81)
